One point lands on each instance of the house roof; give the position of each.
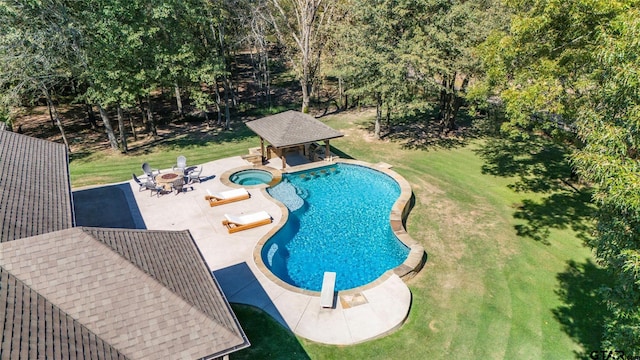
(56, 334)
(34, 187)
(134, 294)
(292, 128)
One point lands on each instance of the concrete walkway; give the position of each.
(357, 316)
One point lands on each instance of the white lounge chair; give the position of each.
(226, 197)
(328, 287)
(235, 223)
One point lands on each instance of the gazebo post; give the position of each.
(327, 151)
(284, 159)
(264, 156)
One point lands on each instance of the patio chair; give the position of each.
(226, 197)
(178, 185)
(181, 164)
(149, 171)
(235, 223)
(148, 185)
(193, 175)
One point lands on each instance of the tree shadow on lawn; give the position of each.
(583, 312)
(557, 211)
(540, 166)
(423, 131)
(196, 135)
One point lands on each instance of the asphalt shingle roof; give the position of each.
(291, 128)
(35, 194)
(172, 258)
(146, 294)
(37, 329)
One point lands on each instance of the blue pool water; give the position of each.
(338, 221)
(251, 177)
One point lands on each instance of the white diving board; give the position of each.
(328, 286)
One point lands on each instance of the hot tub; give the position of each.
(251, 177)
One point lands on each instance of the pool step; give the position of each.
(287, 193)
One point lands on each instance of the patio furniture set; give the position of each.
(161, 183)
(176, 180)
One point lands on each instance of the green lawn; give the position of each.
(507, 275)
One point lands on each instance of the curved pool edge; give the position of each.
(400, 210)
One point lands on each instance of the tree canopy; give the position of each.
(573, 66)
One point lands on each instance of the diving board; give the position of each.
(328, 286)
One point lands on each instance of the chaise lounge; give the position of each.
(226, 197)
(235, 223)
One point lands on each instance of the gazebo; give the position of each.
(292, 130)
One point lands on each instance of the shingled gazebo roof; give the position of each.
(291, 128)
(35, 192)
(95, 293)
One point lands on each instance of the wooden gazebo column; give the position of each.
(262, 150)
(283, 158)
(327, 150)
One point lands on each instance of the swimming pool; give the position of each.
(338, 221)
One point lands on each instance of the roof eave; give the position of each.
(302, 143)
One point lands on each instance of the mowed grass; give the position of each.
(199, 147)
(489, 289)
(507, 275)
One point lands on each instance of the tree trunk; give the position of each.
(267, 77)
(108, 128)
(56, 118)
(179, 101)
(306, 94)
(388, 118)
(451, 101)
(376, 130)
(49, 105)
(123, 131)
(133, 126)
(227, 114)
(340, 94)
(256, 66)
(218, 102)
(91, 116)
(143, 112)
(152, 124)
(225, 80)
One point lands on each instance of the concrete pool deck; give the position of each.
(360, 315)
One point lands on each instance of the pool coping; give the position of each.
(400, 210)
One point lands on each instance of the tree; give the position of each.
(609, 125)
(405, 53)
(575, 63)
(301, 26)
(441, 48)
(538, 65)
(34, 53)
(366, 53)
